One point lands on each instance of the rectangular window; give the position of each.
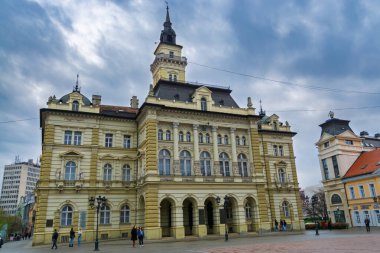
(171, 54)
(325, 169)
(335, 165)
(281, 150)
(127, 141)
(108, 141)
(372, 190)
(326, 144)
(361, 191)
(352, 192)
(68, 136)
(77, 138)
(349, 142)
(275, 150)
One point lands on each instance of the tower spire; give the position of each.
(262, 113)
(168, 34)
(167, 13)
(76, 87)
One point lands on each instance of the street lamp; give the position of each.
(314, 201)
(100, 202)
(226, 202)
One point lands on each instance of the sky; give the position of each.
(325, 54)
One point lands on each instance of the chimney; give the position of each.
(96, 99)
(134, 102)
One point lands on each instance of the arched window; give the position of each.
(207, 138)
(188, 137)
(237, 140)
(67, 216)
(180, 136)
(105, 215)
(335, 199)
(219, 139)
(205, 164)
(107, 172)
(160, 135)
(248, 211)
(226, 139)
(243, 165)
(224, 164)
(164, 162)
(185, 163)
(168, 135)
(243, 141)
(75, 106)
(124, 214)
(70, 170)
(285, 209)
(126, 173)
(200, 138)
(203, 104)
(281, 175)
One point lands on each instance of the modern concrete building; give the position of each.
(19, 179)
(189, 162)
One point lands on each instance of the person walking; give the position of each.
(366, 222)
(134, 236)
(79, 236)
(284, 223)
(72, 237)
(329, 224)
(140, 235)
(275, 225)
(54, 239)
(281, 224)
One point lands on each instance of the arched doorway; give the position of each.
(167, 213)
(232, 214)
(189, 216)
(250, 213)
(211, 215)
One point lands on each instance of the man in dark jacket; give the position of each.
(366, 222)
(54, 239)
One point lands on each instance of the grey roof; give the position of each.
(335, 126)
(66, 98)
(184, 92)
(371, 142)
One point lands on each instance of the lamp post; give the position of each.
(226, 202)
(100, 202)
(314, 201)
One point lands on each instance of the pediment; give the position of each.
(128, 157)
(203, 90)
(348, 134)
(108, 157)
(325, 136)
(71, 153)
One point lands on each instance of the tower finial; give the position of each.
(262, 113)
(331, 114)
(76, 88)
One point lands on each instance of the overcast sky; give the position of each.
(327, 46)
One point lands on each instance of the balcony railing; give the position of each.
(174, 58)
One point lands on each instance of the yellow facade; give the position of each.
(186, 157)
(360, 194)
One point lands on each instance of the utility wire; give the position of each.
(18, 120)
(329, 109)
(285, 82)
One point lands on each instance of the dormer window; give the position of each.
(203, 104)
(171, 54)
(75, 106)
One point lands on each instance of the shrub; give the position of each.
(324, 225)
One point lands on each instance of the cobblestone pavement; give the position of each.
(344, 241)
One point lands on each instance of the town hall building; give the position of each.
(188, 162)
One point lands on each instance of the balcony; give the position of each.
(282, 182)
(167, 57)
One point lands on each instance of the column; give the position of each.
(215, 148)
(176, 169)
(179, 229)
(235, 170)
(196, 150)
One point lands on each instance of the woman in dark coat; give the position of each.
(134, 235)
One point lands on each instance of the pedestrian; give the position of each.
(72, 237)
(29, 235)
(275, 225)
(140, 235)
(54, 239)
(134, 235)
(284, 222)
(79, 236)
(1, 241)
(281, 224)
(366, 222)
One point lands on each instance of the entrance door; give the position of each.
(210, 217)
